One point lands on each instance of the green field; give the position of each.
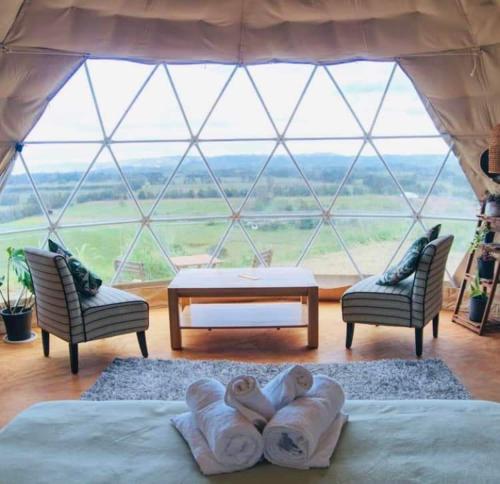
(371, 241)
(281, 193)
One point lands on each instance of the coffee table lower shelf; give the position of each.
(244, 315)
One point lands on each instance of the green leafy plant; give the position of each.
(17, 265)
(478, 238)
(476, 289)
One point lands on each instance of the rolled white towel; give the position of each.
(243, 393)
(186, 426)
(233, 440)
(288, 385)
(296, 436)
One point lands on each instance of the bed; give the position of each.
(425, 441)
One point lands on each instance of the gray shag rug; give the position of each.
(148, 379)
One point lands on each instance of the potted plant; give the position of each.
(492, 208)
(17, 316)
(485, 265)
(478, 300)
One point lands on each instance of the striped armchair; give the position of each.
(412, 302)
(76, 319)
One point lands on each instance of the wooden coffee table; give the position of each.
(261, 282)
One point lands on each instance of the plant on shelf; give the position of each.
(480, 237)
(492, 208)
(478, 300)
(485, 265)
(17, 315)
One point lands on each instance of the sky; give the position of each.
(156, 114)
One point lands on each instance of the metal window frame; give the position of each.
(325, 215)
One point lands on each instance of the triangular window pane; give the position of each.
(372, 241)
(145, 263)
(56, 170)
(363, 84)
(402, 111)
(236, 165)
(322, 112)
(18, 241)
(155, 115)
(99, 247)
(192, 191)
(463, 233)
(147, 167)
(280, 86)
(103, 196)
(237, 251)
(281, 188)
(198, 86)
(71, 115)
(452, 194)
(325, 163)
(19, 206)
(281, 241)
(415, 163)
(326, 257)
(370, 188)
(239, 113)
(415, 233)
(191, 243)
(115, 84)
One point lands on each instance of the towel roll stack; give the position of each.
(307, 426)
(233, 439)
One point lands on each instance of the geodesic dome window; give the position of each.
(337, 168)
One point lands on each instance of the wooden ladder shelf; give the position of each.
(460, 316)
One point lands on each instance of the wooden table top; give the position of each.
(244, 278)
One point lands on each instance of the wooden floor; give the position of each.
(26, 377)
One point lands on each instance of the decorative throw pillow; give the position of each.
(433, 232)
(406, 267)
(86, 282)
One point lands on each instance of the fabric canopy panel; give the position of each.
(450, 48)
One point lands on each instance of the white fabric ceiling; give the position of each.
(449, 48)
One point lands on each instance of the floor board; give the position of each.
(26, 377)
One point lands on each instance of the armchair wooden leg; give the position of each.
(349, 335)
(141, 337)
(419, 340)
(435, 326)
(73, 357)
(45, 342)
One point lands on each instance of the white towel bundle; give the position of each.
(288, 385)
(301, 416)
(220, 438)
(243, 393)
(296, 435)
(259, 405)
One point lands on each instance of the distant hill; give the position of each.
(314, 165)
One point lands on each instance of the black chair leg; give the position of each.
(141, 337)
(419, 340)
(45, 342)
(435, 326)
(349, 335)
(73, 357)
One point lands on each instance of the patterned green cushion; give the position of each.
(407, 266)
(433, 232)
(86, 282)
